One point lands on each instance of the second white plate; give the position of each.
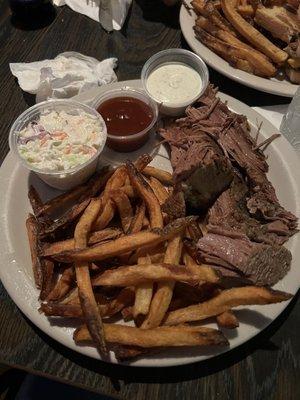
(273, 85)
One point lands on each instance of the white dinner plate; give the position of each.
(273, 85)
(16, 271)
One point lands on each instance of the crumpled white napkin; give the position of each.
(110, 13)
(65, 76)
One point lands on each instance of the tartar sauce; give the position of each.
(59, 141)
(174, 83)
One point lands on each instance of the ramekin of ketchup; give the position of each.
(129, 115)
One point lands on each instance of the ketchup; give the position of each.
(124, 117)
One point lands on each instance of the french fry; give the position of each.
(124, 298)
(251, 34)
(227, 320)
(35, 200)
(126, 243)
(125, 353)
(48, 272)
(246, 10)
(107, 214)
(124, 208)
(142, 162)
(134, 275)
(89, 189)
(62, 222)
(207, 273)
(52, 309)
(129, 191)
(32, 232)
(50, 249)
(138, 219)
(146, 223)
(85, 290)
(127, 313)
(159, 337)
(159, 190)
(146, 193)
(63, 285)
(143, 293)
(163, 176)
(107, 310)
(163, 295)
(235, 51)
(116, 181)
(227, 299)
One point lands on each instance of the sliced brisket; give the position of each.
(230, 212)
(259, 263)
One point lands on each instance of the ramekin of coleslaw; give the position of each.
(60, 140)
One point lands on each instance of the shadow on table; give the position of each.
(184, 372)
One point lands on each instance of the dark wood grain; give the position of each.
(268, 366)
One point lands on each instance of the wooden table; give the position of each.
(268, 366)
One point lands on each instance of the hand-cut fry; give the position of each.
(52, 309)
(63, 285)
(134, 275)
(194, 231)
(163, 176)
(159, 337)
(32, 232)
(207, 273)
(129, 191)
(126, 243)
(79, 193)
(246, 10)
(142, 162)
(48, 272)
(107, 214)
(85, 290)
(124, 299)
(224, 301)
(199, 6)
(127, 313)
(159, 190)
(216, 18)
(143, 293)
(66, 218)
(235, 51)
(125, 353)
(227, 320)
(50, 249)
(146, 193)
(138, 219)
(163, 295)
(251, 34)
(124, 208)
(35, 200)
(146, 223)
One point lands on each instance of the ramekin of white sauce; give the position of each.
(59, 140)
(174, 78)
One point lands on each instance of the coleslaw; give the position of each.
(59, 141)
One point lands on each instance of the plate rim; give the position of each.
(41, 321)
(224, 68)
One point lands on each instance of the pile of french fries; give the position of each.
(110, 248)
(228, 28)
